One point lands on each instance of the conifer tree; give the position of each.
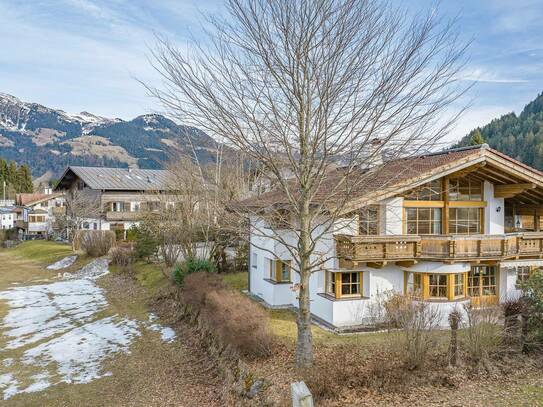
(476, 138)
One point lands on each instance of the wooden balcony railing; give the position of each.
(439, 247)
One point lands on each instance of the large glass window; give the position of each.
(427, 192)
(436, 286)
(423, 221)
(465, 221)
(368, 220)
(465, 189)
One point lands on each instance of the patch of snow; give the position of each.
(92, 271)
(9, 384)
(8, 362)
(79, 353)
(62, 331)
(62, 264)
(167, 334)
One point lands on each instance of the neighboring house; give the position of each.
(37, 212)
(7, 217)
(452, 228)
(124, 195)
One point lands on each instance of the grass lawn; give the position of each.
(41, 251)
(154, 373)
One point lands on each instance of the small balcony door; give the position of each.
(483, 285)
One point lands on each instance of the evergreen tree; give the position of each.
(476, 138)
(25, 179)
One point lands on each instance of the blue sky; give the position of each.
(84, 54)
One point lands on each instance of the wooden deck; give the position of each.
(439, 247)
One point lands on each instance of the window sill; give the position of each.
(277, 282)
(332, 298)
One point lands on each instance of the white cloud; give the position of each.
(479, 74)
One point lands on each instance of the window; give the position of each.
(482, 281)
(153, 206)
(465, 221)
(437, 286)
(423, 221)
(117, 206)
(465, 189)
(36, 218)
(459, 285)
(279, 270)
(341, 285)
(427, 192)
(254, 260)
(85, 225)
(415, 284)
(135, 206)
(368, 220)
(523, 273)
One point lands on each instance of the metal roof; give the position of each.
(122, 178)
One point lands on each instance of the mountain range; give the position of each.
(50, 139)
(519, 136)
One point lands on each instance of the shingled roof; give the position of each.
(391, 177)
(119, 179)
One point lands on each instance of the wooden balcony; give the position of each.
(439, 247)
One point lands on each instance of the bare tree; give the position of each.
(191, 220)
(303, 87)
(81, 206)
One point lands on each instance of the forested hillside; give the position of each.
(16, 178)
(520, 136)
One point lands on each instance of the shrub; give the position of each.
(122, 257)
(234, 319)
(178, 275)
(96, 242)
(417, 322)
(481, 335)
(194, 265)
(146, 245)
(533, 318)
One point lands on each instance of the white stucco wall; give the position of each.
(494, 220)
(392, 216)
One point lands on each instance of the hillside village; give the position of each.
(317, 216)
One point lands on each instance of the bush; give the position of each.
(417, 321)
(122, 257)
(194, 265)
(481, 335)
(146, 245)
(179, 275)
(234, 319)
(96, 243)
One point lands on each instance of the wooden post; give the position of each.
(301, 396)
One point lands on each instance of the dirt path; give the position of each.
(86, 340)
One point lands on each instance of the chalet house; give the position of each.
(124, 195)
(36, 212)
(451, 228)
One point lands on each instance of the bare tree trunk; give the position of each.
(304, 344)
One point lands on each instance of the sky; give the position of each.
(85, 55)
